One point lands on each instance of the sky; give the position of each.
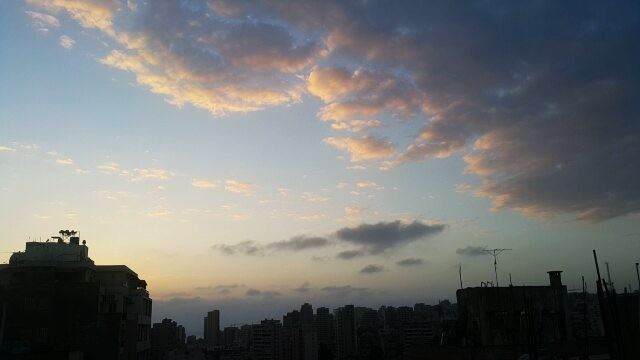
(255, 155)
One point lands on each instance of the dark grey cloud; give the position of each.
(376, 238)
(372, 269)
(541, 96)
(350, 254)
(247, 247)
(410, 262)
(298, 243)
(472, 251)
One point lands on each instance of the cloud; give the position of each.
(247, 247)
(220, 289)
(352, 212)
(350, 254)
(113, 168)
(43, 22)
(382, 236)
(194, 55)
(314, 198)
(366, 184)
(372, 269)
(410, 262)
(66, 42)
(362, 148)
(64, 161)
(255, 292)
(203, 183)
(472, 251)
(490, 84)
(6, 149)
(353, 99)
(345, 290)
(304, 288)
(158, 212)
(298, 243)
(151, 173)
(96, 14)
(239, 187)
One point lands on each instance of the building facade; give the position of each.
(60, 305)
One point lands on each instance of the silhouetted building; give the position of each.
(231, 337)
(212, 334)
(346, 344)
(323, 324)
(167, 340)
(516, 319)
(60, 305)
(266, 343)
(299, 337)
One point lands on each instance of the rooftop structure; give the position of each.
(61, 305)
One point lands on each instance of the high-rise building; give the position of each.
(212, 335)
(346, 343)
(266, 343)
(231, 337)
(167, 340)
(299, 337)
(306, 314)
(323, 324)
(59, 304)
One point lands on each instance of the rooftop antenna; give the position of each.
(460, 274)
(495, 253)
(606, 263)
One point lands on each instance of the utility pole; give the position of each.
(638, 275)
(495, 253)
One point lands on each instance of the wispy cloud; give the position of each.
(43, 22)
(298, 243)
(239, 187)
(363, 148)
(64, 161)
(66, 42)
(151, 173)
(6, 149)
(314, 198)
(204, 183)
(350, 254)
(247, 247)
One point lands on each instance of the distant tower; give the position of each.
(212, 328)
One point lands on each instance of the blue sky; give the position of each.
(178, 137)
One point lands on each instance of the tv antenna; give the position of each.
(495, 253)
